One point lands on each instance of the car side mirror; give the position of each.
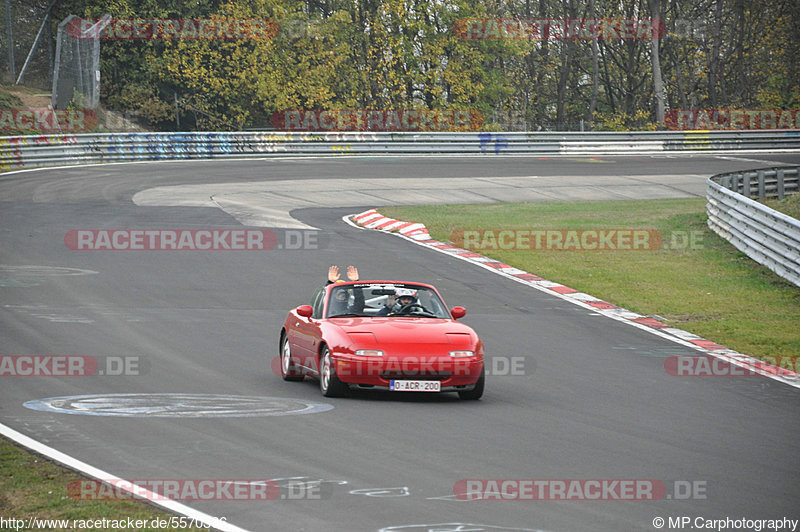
(458, 312)
(305, 310)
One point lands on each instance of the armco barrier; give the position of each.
(763, 234)
(49, 150)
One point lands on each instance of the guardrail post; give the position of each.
(762, 191)
(735, 182)
(746, 178)
(780, 174)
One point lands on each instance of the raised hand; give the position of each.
(333, 273)
(352, 273)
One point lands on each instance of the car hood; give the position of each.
(374, 332)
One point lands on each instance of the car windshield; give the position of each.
(385, 299)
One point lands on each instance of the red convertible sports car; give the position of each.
(382, 335)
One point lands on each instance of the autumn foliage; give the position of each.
(386, 55)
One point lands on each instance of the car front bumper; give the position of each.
(455, 374)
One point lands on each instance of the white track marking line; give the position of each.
(120, 484)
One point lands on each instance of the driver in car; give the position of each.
(399, 303)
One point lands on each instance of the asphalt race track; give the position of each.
(592, 400)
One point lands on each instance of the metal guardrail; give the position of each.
(763, 234)
(49, 150)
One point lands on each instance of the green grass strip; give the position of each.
(32, 486)
(789, 206)
(695, 281)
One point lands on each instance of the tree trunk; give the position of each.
(595, 70)
(658, 81)
(714, 64)
(567, 51)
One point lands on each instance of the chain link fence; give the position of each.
(21, 21)
(76, 73)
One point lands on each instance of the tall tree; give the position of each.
(658, 82)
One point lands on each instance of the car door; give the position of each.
(305, 332)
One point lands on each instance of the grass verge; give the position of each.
(32, 486)
(789, 206)
(696, 281)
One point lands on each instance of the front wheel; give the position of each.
(288, 371)
(477, 391)
(329, 383)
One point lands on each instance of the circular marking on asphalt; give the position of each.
(27, 276)
(176, 405)
(40, 271)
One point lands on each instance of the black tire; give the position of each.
(329, 383)
(475, 393)
(288, 371)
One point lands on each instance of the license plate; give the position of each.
(415, 386)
